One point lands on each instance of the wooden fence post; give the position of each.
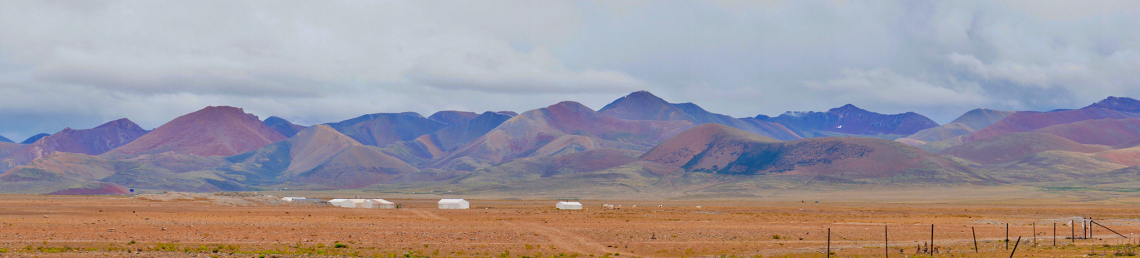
(1015, 247)
(975, 234)
(828, 242)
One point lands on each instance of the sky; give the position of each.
(81, 63)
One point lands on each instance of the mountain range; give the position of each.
(639, 144)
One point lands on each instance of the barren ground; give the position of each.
(66, 226)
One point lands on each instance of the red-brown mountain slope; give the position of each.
(92, 141)
(523, 135)
(834, 159)
(1009, 147)
(212, 131)
(1028, 121)
(643, 105)
(965, 124)
(716, 145)
(387, 128)
(1110, 132)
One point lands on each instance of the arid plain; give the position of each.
(187, 225)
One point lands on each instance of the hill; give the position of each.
(978, 119)
(3, 139)
(212, 131)
(1129, 156)
(1027, 121)
(535, 168)
(34, 138)
(8, 148)
(74, 173)
(643, 105)
(847, 159)
(1110, 132)
(319, 157)
(387, 128)
(1009, 147)
(1122, 104)
(453, 117)
(709, 147)
(1051, 166)
(852, 120)
(965, 124)
(435, 145)
(286, 128)
(579, 127)
(92, 141)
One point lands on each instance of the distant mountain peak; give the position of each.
(211, 131)
(639, 98)
(289, 129)
(847, 109)
(1124, 104)
(274, 120)
(3, 139)
(34, 138)
(570, 105)
(121, 123)
(453, 117)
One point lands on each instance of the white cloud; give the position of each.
(885, 87)
(79, 63)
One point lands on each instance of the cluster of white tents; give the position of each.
(444, 204)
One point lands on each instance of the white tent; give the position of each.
(569, 206)
(360, 203)
(454, 204)
(344, 203)
(382, 204)
(363, 203)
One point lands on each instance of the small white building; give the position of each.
(289, 199)
(454, 204)
(568, 206)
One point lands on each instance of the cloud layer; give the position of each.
(79, 64)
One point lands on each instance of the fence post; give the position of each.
(931, 239)
(1015, 247)
(1054, 234)
(1006, 236)
(975, 234)
(828, 242)
(886, 243)
(1034, 234)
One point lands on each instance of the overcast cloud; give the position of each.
(82, 63)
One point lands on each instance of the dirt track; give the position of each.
(68, 226)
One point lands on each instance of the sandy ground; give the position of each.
(188, 225)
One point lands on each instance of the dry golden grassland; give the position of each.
(68, 226)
